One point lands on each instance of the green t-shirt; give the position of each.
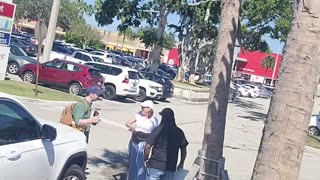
(81, 111)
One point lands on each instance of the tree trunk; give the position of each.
(284, 135)
(155, 58)
(218, 101)
(265, 76)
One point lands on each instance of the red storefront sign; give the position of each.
(7, 10)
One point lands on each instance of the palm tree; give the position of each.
(285, 132)
(268, 63)
(213, 140)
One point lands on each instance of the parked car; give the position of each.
(169, 70)
(83, 57)
(158, 72)
(61, 49)
(17, 59)
(253, 92)
(63, 74)
(242, 90)
(148, 89)
(120, 82)
(38, 149)
(107, 57)
(167, 85)
(121, 61)
(314, 125)
(30, 49)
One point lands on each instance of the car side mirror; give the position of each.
(48, 133)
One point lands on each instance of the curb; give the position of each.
(312, 150)
(41, 100)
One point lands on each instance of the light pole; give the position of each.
(51, 30)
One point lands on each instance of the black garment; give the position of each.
(166, 144)
(138, 137)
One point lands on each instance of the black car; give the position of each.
(165, 82)
(61, 49)
(169, 70)
(29, 48)
(121, 61)
(159, 72)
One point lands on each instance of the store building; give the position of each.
(248, 66)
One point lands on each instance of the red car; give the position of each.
(63, 74)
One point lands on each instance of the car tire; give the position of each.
(109, 93)
(75, 89)
(142, 96)
(74, 172)
(163, 99)
(13, 68)
(313, 131)
(29, 77)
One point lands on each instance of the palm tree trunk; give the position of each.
(265, 76)
(218, 101)
(284, 135)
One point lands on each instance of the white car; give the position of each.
(83, 57)
(314, 126)
(31, 148)
(107, 57)
(243, 91)
(148, 89)
(252, 92)
(120, 82)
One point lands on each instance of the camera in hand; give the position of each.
(96, 113)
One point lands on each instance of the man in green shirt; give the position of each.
(81, 112)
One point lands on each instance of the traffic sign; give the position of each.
(4, 38)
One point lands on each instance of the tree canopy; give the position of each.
(260, 18)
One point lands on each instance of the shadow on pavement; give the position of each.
(247, 104)
(255, 116)
(115, 164)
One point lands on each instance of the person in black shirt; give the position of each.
(165, 141)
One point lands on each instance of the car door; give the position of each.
(23, 154)
(48, 70)
(66, 74)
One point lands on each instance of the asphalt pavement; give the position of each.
(108, 146)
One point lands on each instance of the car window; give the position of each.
(16, 124)
(141, 76)
(78, 55)
(102, 68)
(54, 64)
(95, 73)
(86, 58)
(133, 75)
(97, 59)
(72, 67)
(115, 71)
(15, 50)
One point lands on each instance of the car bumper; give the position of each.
(167, 95)
(155, 94)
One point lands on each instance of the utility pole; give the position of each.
(51, 30)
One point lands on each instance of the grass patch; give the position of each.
(313, 141)
(27, 90)
(190, 86)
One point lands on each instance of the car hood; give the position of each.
(29, 59)
(146, 82)
(65, 134)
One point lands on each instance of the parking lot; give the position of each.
(109, 139)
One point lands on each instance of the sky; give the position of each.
(275, 45)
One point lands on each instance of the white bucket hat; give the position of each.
(148, 104)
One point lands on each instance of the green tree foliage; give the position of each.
(268, 63)
(265, 18)
(148, 36)
(70, 11)
(82, 34)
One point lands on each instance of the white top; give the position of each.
(145, 125)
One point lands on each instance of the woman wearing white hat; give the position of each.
(141, 126)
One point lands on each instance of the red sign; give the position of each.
(6, 9)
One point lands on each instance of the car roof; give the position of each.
(113, 65)
(74, 63)
(8, 96)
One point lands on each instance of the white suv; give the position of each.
(34, 149)
(82, 57)
(148, 89)
(120, 82)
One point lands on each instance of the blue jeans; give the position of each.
(156, 174)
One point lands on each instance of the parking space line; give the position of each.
(114, 124)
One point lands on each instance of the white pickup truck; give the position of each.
(83, 57)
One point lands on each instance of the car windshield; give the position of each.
(16, 50)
